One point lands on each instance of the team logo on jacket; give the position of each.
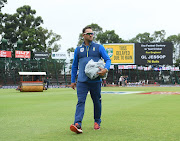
(81, 49)
(94, 48)
(109, 52)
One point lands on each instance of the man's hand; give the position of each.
(73, 85)
(102, 71)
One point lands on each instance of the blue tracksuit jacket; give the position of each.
(82, 55)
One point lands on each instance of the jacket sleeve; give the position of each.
(74, 67)
(105, 56)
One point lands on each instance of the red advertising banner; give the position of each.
(22, 54)
(5, 53)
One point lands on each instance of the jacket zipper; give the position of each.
(87, 48)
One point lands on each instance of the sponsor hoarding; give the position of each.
(174, 68)
(111, 67)
(41, 55)
(153, 53)
(58, 55)
(6, 54)
(126, 66)
(121, 53)
(22, 54)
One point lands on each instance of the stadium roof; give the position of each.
(32, 73)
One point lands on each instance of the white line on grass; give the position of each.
(120, 92)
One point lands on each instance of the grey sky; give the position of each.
(126, 17)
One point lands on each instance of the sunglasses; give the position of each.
(88, 33)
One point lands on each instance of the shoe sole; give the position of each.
(73, 128)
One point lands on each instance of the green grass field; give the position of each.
(47, 116)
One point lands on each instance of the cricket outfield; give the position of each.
(46, 116)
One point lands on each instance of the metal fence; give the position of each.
(9, 68)
(148, 77)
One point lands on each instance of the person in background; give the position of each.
(84, 53)
(117, 82)
(36, 78)
(120, 80)
(126, 79)
(104, 82)
(46, 82)
(123, 81)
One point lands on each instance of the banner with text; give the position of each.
(112, 67)
(121, 53)
(58, 55)
(154, 53)
(6, 54)
(22, 54)
(126, 67)
(41, 55)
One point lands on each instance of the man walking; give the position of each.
(84, 53)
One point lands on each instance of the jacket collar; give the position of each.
(83, 44)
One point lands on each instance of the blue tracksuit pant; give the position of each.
(82, 91)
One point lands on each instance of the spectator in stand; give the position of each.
(104, 82)
(126, 80)
(46, 82)
(123, 81)
(117, 82)
(120, 81)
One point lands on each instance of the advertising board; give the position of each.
(154, 53)
(22, 54)
(121, 53)
(6, 54)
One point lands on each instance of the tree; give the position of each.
(2, 3)
(9, 29)
(25, 26)
(177, 63)
(175, 39)
(52, 39)
(80, 40)
(142, 38)
(109, 36)
(29, 30)
(159, 36)
(96, 29)
(70, 50)
(71, 61)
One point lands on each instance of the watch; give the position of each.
(106, 70)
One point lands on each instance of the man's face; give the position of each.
(88, 35)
